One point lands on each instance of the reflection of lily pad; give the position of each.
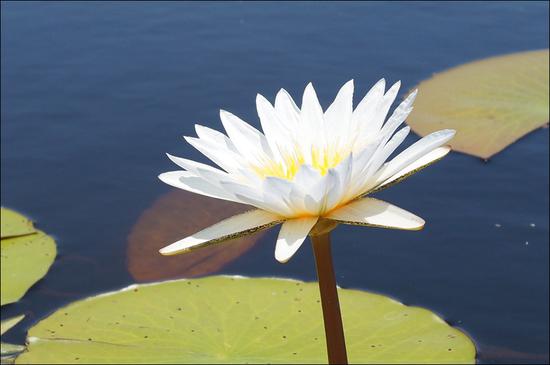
(8, 348)
(172, 217)
(491, 103)
(24, 260)
(14, 224)
(238, 320)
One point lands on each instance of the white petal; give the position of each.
(360, 163)
(311, 108)
(224, 158)
(250, 142)
(377, 213)
(236, 226)
(369, 175)
(363, 128)
(306, 176)
(383, 152)
(399, 115)
(366, 107)
(186, 180)
(343, 172)
(258, 198)
(414, 152)
(208, 173)
(338, 115)
(277, 186)
(277, 134)
(414, 167)
(317, 194)
(292, 235)
(384, 106)
(343, 102)
(215, 137)
(193, 166)
(286, 109)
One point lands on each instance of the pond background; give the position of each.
(94, 94)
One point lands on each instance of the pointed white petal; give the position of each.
(193, 166)
(414, 167)
(399, 115)
(259, 198)
(337, 118)
(311, 108)
(224, 158)
(286, 109)
(340, 110)
(384, 106)
(186, 180)
(277, 134)
(360, 163)
(250, 142)
(383, 152)
(215, 137)
(366, 107)
(292, 235)
(363, 127)
(377, 213)
(368, 177)
(311, 131)
(233, 227)
(414, 152)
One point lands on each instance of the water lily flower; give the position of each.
(307, 167)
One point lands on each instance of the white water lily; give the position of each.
(307, 166)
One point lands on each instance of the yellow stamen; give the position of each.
(321, 159)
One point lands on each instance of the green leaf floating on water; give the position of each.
(14, 224)
(491, 103)
(8, 348)
(222, 319)
(24, 260)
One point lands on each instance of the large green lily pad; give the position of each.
(238, 320)
(24, 260)
(14, 224)
(491, 103)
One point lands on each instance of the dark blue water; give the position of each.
(93, 94)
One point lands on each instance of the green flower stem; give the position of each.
(334, 331)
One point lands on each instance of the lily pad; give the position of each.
(172, 217)
(491, 103)
(8, 348)
(24, 260)
(13, 224)
(238, 320)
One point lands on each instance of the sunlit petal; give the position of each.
(233, 227)
(414, 167)
(377, 213)
(292, 235)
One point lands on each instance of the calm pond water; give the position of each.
(94, 94)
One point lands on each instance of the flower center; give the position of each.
(322, 159)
